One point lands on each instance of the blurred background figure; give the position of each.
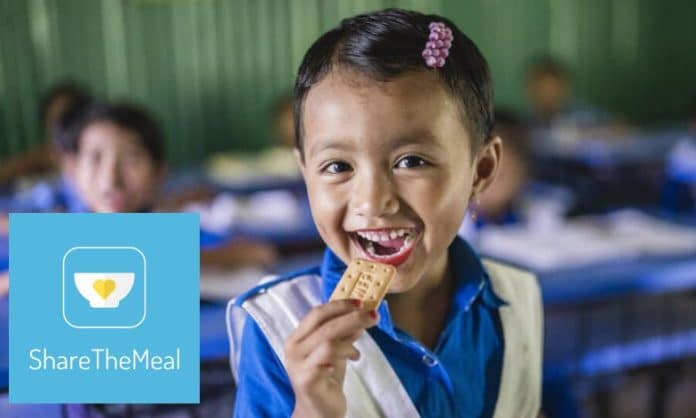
(65, 97)
(679, 190)
(548, 88)
(120, 166)
(54, 191)
(274, 162)
(517, 198)
(557, 114)
(502, 203)
(119, 158)
(284, 117)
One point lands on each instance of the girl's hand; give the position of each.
(317, 352)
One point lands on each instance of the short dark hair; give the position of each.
(63, 128)
(388, 43)
(126, 116)
(76, 94)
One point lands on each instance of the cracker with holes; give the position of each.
(365, 280)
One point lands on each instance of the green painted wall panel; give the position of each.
(211, 69)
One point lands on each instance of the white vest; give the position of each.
(371, 386)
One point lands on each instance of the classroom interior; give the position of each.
(595, 102)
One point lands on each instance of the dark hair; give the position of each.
(126, 116)
(545, 65)
(388, 43)
(76, 94)
(63, 128)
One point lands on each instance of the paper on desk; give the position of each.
(222, 284)
(278, 210)
(585, 241)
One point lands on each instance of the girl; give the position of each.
(393, 115)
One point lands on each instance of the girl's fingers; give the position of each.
(322, 314)
(341, 328)
(330, 354)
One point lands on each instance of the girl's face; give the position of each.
(389, 170)
(113, 171)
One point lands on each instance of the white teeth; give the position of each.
(383, 236)
(372, 237)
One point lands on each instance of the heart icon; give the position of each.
(104, 287)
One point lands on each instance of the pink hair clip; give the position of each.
(438, 45)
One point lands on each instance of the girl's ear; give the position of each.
(487, 165)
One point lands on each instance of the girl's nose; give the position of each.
(374, 196)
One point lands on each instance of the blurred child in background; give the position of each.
(556, 114)
(56, 194)
(515, 197)
(501, 204)
(679, 189)
(284, 122)
(114, 155)
(119, 158)
(43, 159)
(120, 166)
(276, 161)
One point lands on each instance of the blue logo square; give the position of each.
(104, 308)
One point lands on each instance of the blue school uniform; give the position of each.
(4, 253)
(459, 378)
(57, 195)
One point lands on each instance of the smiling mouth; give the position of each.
(389, 245)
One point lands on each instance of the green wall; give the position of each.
(210, 69)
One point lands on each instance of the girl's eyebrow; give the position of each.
(420, 138)
(424, 138)
(332, 144)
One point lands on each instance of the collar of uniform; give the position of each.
(473, 284)
(472, 281)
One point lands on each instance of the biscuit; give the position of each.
(365, 280)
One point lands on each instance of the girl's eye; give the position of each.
(411, 161)
(336, 167)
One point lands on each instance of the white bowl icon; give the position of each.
(104, 290)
